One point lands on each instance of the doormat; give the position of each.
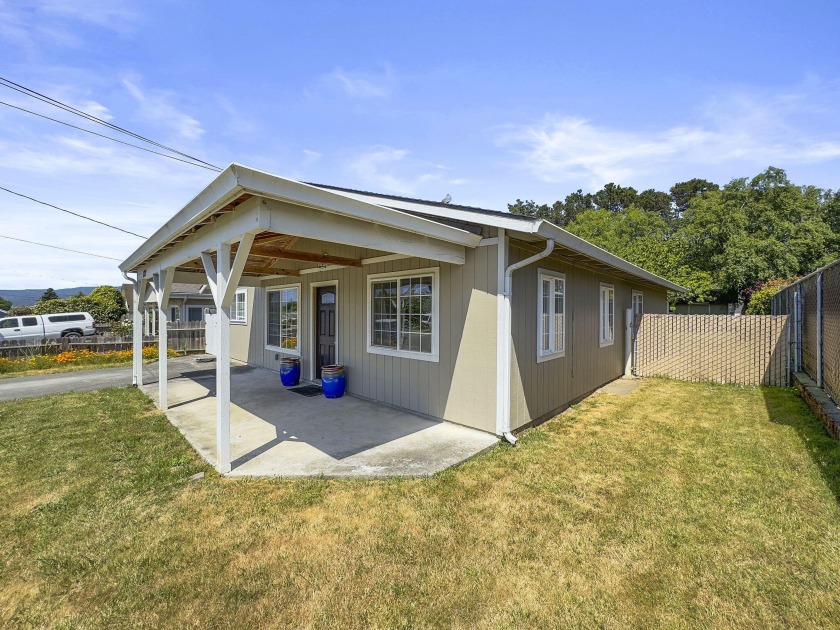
(309, 391)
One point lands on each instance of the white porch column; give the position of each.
(223, 360)
(137, 331)
(223, 279)
(628, 342)
(163, 286)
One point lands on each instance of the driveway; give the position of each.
(28, 386)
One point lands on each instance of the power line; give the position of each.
(128, 144)
(75, 251)
(75, 214)
(69, 108)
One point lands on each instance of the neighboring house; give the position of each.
(474, 316)
(187, 302)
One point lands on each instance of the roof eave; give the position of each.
(548, 230)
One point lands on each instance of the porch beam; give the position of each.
(283, 254)
(199, 276)
(336, 228)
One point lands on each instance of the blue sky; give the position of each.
(485, 101)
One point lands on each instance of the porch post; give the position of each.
(628, 342)
(163, 287)
(223, 360)
(137, 330)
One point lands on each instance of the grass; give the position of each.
(686, 505)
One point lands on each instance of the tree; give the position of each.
(49, 294)
(5, 304)
(17, 311)
(108, 304)
(683, 192)
(43, 307)
(656, 202)
(615, 198)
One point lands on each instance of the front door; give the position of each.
(325, 298)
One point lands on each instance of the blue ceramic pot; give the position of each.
(333, 381)
(290, 372)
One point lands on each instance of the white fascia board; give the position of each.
(479, 218)
(274, 187)
(237, 179)
(217, 194)
(567, 239)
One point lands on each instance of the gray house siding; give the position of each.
(460, 387)
(542, 389)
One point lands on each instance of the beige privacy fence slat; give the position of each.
(741, 350)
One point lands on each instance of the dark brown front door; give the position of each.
(325, 328)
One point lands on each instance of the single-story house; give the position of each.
(472, 316)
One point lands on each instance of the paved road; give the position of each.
(27, 386)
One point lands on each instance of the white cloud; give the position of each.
(310, 157)
(364, 85)
(156, 106)
(385, 169)
(758, 130)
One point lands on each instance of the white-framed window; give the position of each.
(239, 308)
(638, 303)
(606, 335)
(282, 321)
(174, 313)
(403, 314)
(551, 313)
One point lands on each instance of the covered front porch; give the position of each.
(251, 230)
(275, 432)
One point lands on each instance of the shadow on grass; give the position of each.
(786, 407)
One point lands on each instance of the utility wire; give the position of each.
(75, 251)
(128, 144)
(75, 214)
(69, 108)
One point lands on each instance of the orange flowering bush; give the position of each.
(75, 357)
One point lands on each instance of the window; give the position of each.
(30, 321)
(9, 323)
(551, 328)
(638, 303)
(237, 309)
(174, 313)
(403, 312)
(283, 313)
(607, 319)
(195, 314)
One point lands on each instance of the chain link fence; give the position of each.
(814, 306)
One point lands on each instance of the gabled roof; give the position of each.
(571, 246)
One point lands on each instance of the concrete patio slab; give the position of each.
(275, 432)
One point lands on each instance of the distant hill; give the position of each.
(28, 297)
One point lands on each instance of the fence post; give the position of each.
(819, 330)
(797, 328)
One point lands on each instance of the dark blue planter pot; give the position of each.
(333, 382)
(290, 374)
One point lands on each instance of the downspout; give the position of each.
(506, 340)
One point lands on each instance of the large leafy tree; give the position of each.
(5, 304)
(109, 304)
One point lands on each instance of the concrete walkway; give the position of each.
(275, 432)
(85, 380)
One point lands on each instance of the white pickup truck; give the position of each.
(40, 327)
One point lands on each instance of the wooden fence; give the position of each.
(187, 339)
(742, 350)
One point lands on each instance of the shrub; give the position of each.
(76, 357)
(762, 295)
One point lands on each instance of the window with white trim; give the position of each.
(551, 331)
(402, 314)
(283, 316)
(174, 313)
(238, 310)
(607, 318)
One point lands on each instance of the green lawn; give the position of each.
(678, 505)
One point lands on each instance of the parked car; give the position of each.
(51, 326)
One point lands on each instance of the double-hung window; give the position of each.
(283, 317)
(403, 314)
(551, 328)
(238, 310)
(607, 319)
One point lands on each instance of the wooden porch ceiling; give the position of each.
(269, 249)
